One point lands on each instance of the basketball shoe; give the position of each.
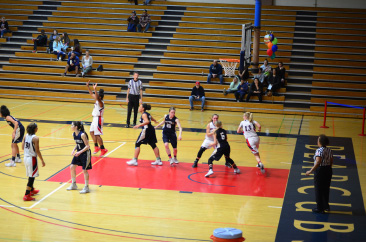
(210, 172)
(132, 162)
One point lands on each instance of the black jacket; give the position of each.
(198, 92)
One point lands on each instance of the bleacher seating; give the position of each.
(322, 50)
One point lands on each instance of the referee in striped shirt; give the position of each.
(323, 161)
(134, 97)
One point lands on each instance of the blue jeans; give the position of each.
(146, 27)
(131, 28)
(210, 76)
(59, 54)
(3, 32)
(191, 99)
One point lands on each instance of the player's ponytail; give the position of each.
(146, 106)
(31, 128)
(101, 94)
(218, 123)
(80, 126)
(172, 108)
(249, 116)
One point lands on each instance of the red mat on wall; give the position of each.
(182, 177)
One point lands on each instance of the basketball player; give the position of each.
(209, 138)
(30, 146)
(222, 148)
(96, 128)
(170, 121)
(248, 127)
(147, 135)
(82, 157)
(17, 135)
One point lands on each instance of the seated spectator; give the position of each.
(133, 21)
(52, 38)
(73, 63)
(76, 48)
(260, 76)
(41, 40)
(266, 69)
(147, 2)
(245, 73)
(198, 93)
(281, 72)
(255, 89)
(87, 62)
(242, 91)
(144, 22)
(215, 70)
(57, 49)
(4, 27)
(65, 40)
(274, 83)
(233, 86)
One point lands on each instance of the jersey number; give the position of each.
(78, 146)
(222, 136)
(168, 125)
(248, 128)
(27, 145)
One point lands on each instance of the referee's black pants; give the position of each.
(322, 179)
(133, 102)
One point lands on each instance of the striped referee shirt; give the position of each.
(326, 155)
(135, 87)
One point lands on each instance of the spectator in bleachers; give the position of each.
(233, 86)
(266, 69)
(255, 89)
(133, 21)
(52, 38)
(147, 2)
(136, 3)
(144, 22)
(281, 72)
(73, 63)
(4, 27)
(57, 45)
(215, 71)
(198, 93)
(65, 40)
(41, 40)
(76, 48)
(259, 76)
(274, 83)
(242, 91)
(244, 74)
(87, 62)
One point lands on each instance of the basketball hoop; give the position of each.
(229, 66)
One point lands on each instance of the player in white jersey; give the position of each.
(96, 128)
(209, 139)
(248, 127)
(30, 146)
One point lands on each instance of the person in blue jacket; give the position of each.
(215, 71)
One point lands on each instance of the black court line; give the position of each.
(196, 130)
(302, 118)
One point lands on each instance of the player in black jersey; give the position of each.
(17, 135)
(169, 136)
(82, 157)
(222, 148)
(147, 136)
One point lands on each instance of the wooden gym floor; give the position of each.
(163, 203)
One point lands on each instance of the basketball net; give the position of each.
(229, 66)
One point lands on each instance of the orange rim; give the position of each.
(230, 60)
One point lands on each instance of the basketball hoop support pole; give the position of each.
(257, 34)
(363, 123)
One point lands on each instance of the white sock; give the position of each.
(86, 183)
(73, 180)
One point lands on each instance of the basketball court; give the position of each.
(177, 203)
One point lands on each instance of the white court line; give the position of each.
(21, 105)
(58, 188)
(274, 207)
(9, 206)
